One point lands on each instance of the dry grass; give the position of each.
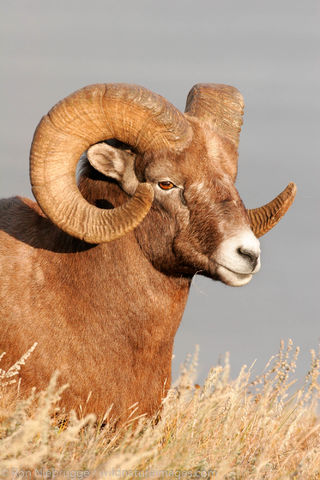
(226, 429)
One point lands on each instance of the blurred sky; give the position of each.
(270, 51)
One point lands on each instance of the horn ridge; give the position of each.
(263, 219)
(219, 105)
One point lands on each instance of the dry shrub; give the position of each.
(226, 429)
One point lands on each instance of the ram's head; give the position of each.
(181, 166)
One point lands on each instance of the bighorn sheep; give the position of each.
(98, 274)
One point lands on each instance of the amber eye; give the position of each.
(166, 185)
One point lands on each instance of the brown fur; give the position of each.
(106, 315)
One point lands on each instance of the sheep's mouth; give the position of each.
(236, 272)
(232, 278)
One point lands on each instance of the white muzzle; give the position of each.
(238, 258)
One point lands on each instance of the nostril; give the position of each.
(251, 256)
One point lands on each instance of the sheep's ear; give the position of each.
(114, 163)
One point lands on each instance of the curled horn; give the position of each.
(129, 113)
(219, 105)
(264, 218)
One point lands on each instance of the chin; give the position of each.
(233, 279)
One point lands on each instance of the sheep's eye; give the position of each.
(166, 185)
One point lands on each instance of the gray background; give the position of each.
(270, 51)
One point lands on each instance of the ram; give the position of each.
(99, 270)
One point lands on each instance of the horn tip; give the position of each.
(291, 190)
(293, 185)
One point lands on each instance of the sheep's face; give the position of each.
(198, 223)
